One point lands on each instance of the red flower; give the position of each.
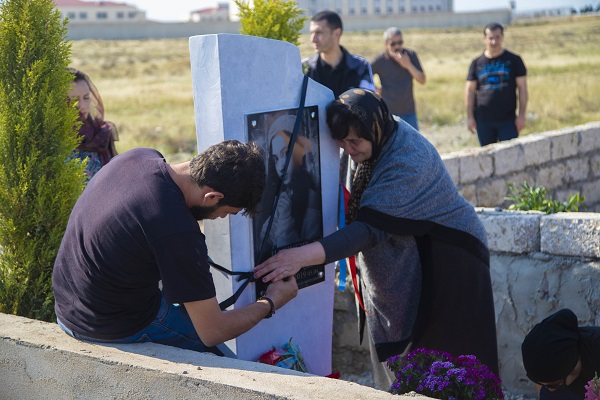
(271, 357)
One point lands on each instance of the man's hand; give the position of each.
(288, 262)
(215, 326)
(520, 123)
(472, 125)
(470, 92)
(282, 291)
(403, 60)
(284, 264)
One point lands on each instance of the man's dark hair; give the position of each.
(235, 169)
(492, 26)
(341, 120)
(333, 20)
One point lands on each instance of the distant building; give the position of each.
(377, 7)
(218, 13)
(549, 12)
(89, 12)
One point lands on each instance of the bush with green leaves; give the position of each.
(529, 198)
(38, 186)
(273, 19)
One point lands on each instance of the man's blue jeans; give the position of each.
(490, 132)
(410, 119)
(172, 327)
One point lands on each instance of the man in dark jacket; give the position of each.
(333, 66)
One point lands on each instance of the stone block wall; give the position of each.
(565, 162)
(539, 264)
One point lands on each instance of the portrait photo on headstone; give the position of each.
(296, 218)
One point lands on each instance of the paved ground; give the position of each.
(449, 138)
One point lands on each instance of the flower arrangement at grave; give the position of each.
(592, 389)
(440, 375)
(288, 357)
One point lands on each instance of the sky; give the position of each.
(178, 10)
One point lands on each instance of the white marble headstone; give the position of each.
(235, 76)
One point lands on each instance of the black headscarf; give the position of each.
(379, 126)
(550, 350)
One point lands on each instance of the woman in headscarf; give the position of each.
(421, 250)
(98, 136)
(561, 357)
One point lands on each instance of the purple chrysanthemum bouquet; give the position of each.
(592, 389)
(440, 375)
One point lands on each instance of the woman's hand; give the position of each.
(288, 262)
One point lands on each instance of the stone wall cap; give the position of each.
(506, 212)
(574, 215)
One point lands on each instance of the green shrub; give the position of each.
(529, 198)
(38, 187)
(273, 19)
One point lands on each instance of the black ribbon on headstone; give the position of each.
(248, 276)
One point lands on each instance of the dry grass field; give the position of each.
(146, 84)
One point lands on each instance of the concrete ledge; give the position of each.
(563, 234)
(38, 360)
(475, 164)
(507, 158)
(571, 234)
(564, 142)
(512, 231)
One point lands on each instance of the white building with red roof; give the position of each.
(89, 12)
(219, 12)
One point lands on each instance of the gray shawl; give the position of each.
(429, 285)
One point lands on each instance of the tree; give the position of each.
(39, 183)
(273, 19)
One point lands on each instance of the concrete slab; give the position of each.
(38, 360)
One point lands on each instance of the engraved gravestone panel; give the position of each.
(248, 88)
(290, 210)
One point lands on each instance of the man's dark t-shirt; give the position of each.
(496, 98)
(129, 229)
(335, 79)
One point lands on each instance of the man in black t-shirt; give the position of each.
(493, 81)
(135, 225)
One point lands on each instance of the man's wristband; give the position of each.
(271, 304)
